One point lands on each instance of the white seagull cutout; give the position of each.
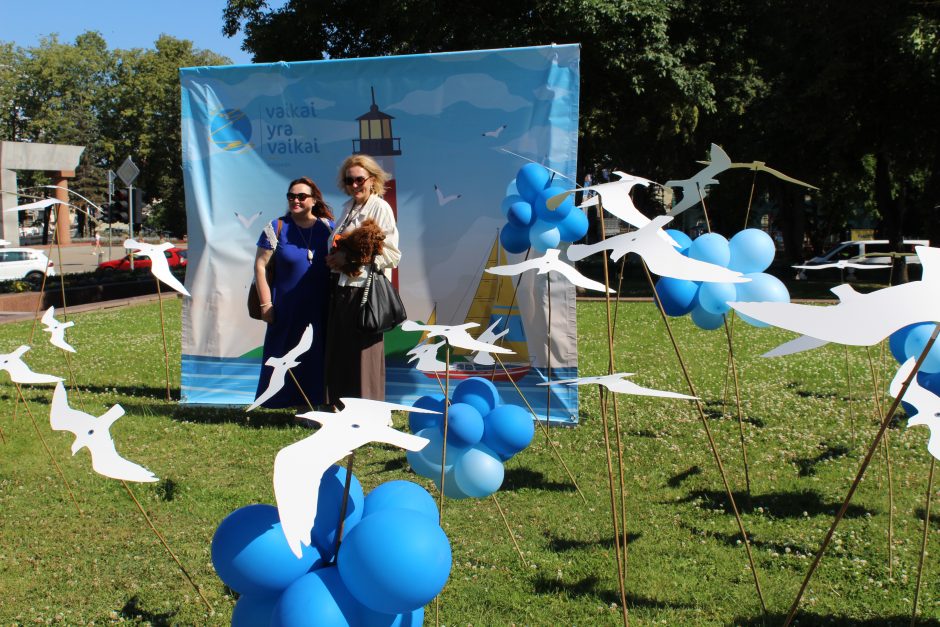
(247, 221)
(796, 345)
(20, 372)
(694, 188)
(299, 467)
(618, 383)
(56, 330)
(426, 356)
(549, 262)
(158, 264)
(483, 358)
(456, 335)
(760, 166)
(860, 319)
(39, 204)
(924, 401)
(442, 199)
(282, 364)
(842, 264)
(662, 258)
(94, 433)
(495, 132)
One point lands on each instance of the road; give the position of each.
(80, 257)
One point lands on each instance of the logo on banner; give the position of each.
(230, 130)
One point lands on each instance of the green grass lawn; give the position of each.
(685, 563)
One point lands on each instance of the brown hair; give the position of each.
(367, 163)
(320, 208)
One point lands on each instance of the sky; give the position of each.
(122, 23)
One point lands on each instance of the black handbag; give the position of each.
(380, 309)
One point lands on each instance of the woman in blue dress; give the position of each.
(299, 295)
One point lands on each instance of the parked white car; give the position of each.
(875, 251)
(24, 263)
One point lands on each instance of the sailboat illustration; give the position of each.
(495, 309)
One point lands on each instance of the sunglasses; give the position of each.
(301, 197)
(356, 181)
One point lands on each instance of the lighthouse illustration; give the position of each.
(376, 140)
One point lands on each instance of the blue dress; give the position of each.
(300, 294)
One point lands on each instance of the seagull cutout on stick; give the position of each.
(662, 258)
(426, 356)
(760, 166)
(282, 364)
(495, 132)
(456, 335)
(618, 383)
(299, 467)
(549, 262)
(39, 204)
(158, 263)
(20, 372)
(442, 199)
(860, 319)
(842, 264)
(924, 401)
(483, 358)
(94, 433)
(247, 221)
(694, 188)
(57, 330)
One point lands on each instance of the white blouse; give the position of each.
(380, 211)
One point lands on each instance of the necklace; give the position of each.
(306, 239)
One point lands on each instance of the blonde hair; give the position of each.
(367, 163)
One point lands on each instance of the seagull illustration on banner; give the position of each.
(94, 433)
(924, 401)
(618, 383)
(495, 132)
(158, 263)
(247, 221)
(20, 372)
(442, 199)
(299, 467)
(694, 188)
(56, 330)
(860, 319)
(662, 258)
(549, 262)
(282, 364)
(456, 335)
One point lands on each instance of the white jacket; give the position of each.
(380, 211)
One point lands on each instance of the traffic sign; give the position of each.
(128, 171)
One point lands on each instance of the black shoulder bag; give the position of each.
(380, 309)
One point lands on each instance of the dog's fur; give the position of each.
(360, 246)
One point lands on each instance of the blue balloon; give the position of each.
(329, 502)
(762, 287)
(432, 402)
(514, 239)
(251, 555)
(464, 425)
(479, 392)
(916, 342)
(557, 214)
(512, 189)
(479, 472)
(544, 235)
(928, 381)
(252, 610)
(896, 342)
(752, 250)
(677, 296)
(371, 618)
(507, 430)
(706, 320)
(400, 495)
(451, 488)
(395, 560)
(680, 238)
(318, 599)
(530, 180)
(714, 297)
(573, 227)
(427, 461)
(508, 202)
(711, 248)
(521, 214)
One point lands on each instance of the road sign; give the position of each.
(111, 177)
(128, 171)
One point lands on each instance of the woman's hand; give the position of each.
(267, 314)
(336, 260)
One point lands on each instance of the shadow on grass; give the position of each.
(716, 410)
(777, 504)
(809, 619)
(733, 540)
(558, 544)
(588, 587)
(676, 480)
(133, 610)
(518, 478)
(396, 463)
(257, 419)
(807, 465)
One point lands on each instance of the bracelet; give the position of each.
(267, 304)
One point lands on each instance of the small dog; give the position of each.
(360, 246)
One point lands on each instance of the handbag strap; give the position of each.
(367, 287)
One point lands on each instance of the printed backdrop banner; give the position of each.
(444, 126)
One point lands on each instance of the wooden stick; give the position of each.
(923, 542)
(858, 477)
(168, 549)
(347, 484)
(548, 374)
(166, 352)
(509, 529)
(879, 413)
(848, 393)
(737, 396)
(297, 383)
(440, 518)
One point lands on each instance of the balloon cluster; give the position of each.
(394, 558)
(529, 221)
(482, 433)
(750, 252)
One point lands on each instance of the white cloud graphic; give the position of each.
(479, 90)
